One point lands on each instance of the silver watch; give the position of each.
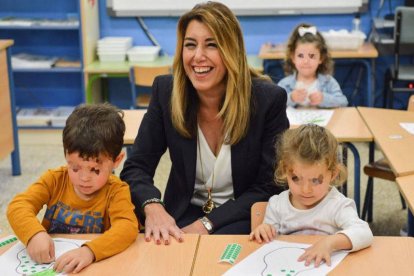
(207, 224)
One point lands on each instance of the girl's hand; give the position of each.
(316, 98)
(298, 95)
(74, 260)
(41, 248)
(262, 232)
(319, 252)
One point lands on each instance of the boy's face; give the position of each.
(88, 176)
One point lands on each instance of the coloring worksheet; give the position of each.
(16, 261)
(319, 117)
(280, 258)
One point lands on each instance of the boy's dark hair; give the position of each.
(94, 129)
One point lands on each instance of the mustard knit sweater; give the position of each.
(110, 212)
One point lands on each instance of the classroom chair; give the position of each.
(403, 45)
(379, 169)
(257, 213)
(141, 77)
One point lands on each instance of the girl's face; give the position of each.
(306, 59)
(202, 60)
(308, 184)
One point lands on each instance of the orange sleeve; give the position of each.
(123, 229)
(24, 207)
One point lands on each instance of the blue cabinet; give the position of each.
(45, 28)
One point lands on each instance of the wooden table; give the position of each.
(397, 146)
(132, 119)
(367, 50)
(199, 255)
(144, 258)
(347, 126)
(406, 187)
(386, 256)
(394, 141)
(9, 142)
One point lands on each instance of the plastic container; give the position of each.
(344, 40)
(111, 57)
(143, 53)
(113, 49)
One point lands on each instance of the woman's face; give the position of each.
(202, 61)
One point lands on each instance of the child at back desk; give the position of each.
(308, 162)
(309, 66)
(81, 197)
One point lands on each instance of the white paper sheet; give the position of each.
(408, 127)
(319, 117)
(280, 258)
(16, 261)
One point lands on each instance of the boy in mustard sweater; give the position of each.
(82, 196)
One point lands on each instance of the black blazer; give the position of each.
(252, 159)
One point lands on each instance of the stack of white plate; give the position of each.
(112, 48)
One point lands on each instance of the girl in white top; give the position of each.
(308, 162)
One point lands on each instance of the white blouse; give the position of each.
(222, 188)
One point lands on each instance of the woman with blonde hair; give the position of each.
(219, 120)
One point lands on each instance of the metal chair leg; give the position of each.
(368, 201)
(404, 205)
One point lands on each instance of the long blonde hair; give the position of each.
(235, 108)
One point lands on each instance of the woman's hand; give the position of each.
(160, 225)
(74, 260)
(316, 98)
(196, 227)
(41, 248)
(263, 232)
(298, 95)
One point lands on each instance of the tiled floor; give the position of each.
(42, 149)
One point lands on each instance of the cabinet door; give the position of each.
(6, 136)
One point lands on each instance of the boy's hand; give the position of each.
(264, 232)
(316, 98)
(74, 260)
(41, 248)
(298, 95)
(319, 252)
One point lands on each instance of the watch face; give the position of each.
(207, 224)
